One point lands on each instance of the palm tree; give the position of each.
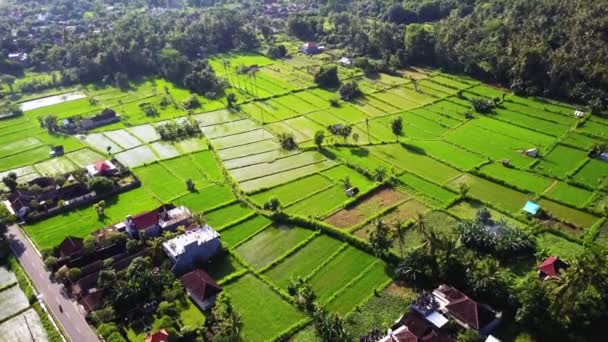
(400, 233)
(155, 247)
(380, 174)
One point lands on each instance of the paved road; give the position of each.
(71, 319)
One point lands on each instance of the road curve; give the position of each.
(71, 319)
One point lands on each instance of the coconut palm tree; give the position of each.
(400, 234)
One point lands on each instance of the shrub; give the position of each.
(116, 337)
(166, 309)
(277, 51)
(179, 130)
(101, 184)
(148, 109)
(107, 329)
(74, 274)
(483, 106)
(287, 141)
(349, 91)
(498, 238)
(50, 262)
(273, 204)
(192, 102)
(327, 76)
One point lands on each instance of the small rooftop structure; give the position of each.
(101, 167)
(533, 152)
(201, 287)
(351, 192)
(18, 56)
(579, 114)
(159, 336)
(310, 48)
(197, 245)
(604, 156)
(56, 151)
(532, 208)
(551, 267)
(345, 61)
(174, 217)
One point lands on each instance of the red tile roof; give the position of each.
(405, 336)
(423, 330)
(551, 266)
(159, 336)
(200, 285)
(145, 220)
(465, 309)
(101, 165)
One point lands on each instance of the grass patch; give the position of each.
(221, 217)
(206, 198)
(257, 306)
(353, 295)
(271, 243)
(320, 203)
(290, 192)
(241, 231)
(304, 261)
(561, 161)
(523, 180)
(567, 214)
(338, 272)
(558, 246)
(380, 312)
(569, 194)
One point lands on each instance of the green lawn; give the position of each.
(450, 154)
(569, 194)
(561, 160)
(239, 232)
(339, 271)
(304, 261)
(416, 163)
(340, 172)
(264, 313)
(271, 243)
(559, 246)
(159, 182)
(504, 198)
(364, 287)
(320, 203)
(427, 188)
(522, 180)
(593, 174)
(567, 214)
(293, 191)
(52, 231)
(221, 217)
(206, 198)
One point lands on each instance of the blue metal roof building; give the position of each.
(532, 208)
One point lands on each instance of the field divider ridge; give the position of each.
(290, 252)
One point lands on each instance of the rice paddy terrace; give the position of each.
(444, 144)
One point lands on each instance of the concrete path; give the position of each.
(71, 319)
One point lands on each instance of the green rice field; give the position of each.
(447, 162)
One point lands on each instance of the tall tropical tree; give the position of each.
(400, 234)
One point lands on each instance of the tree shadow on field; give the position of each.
(359, 152)
(414, 149)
